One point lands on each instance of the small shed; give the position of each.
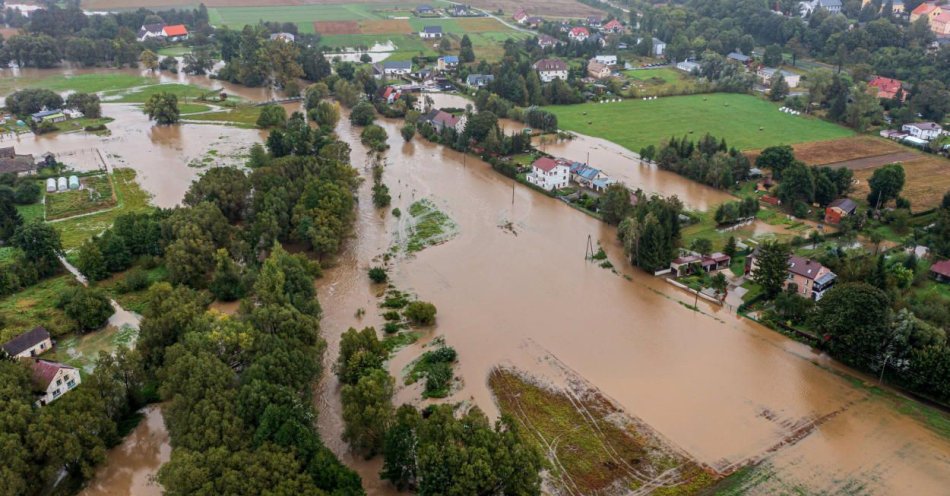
(50, 185)
(73, 182)
(61, 184)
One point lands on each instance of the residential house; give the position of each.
(811, 278)
(430, 32)
(549, 174)
(595, 21)
(51, 380)
(424, 10)
(897, 6)
(885, 88)
(551, 69)
(545, 41)
(585, 175)
(520, 16)
(606, 59)
(715, 261)
(687, 66)
(941, 271)
(440, 120)
(52, 115)
(29, 344)
(390, 94)
(923, 130)
(684, 265)
(285, 37)
(534, 22)
(614, 26)
(395, 68)
(460, 11)
(766, 74)
(601, 184)
(659, 47)
(422, 74)
(837, 210)
(447, 63)
(177, 32)
(148, 31)
(807, 8)
(579, 34)
(739, 57)
(597, 70)
(479, 80)
(927, 9)
(12, 163)
(596, 38)
(940, 24)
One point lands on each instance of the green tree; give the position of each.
(771, 267)
(863, 109)
(368, 411)
(374, 137)
(227, 283)
(466, 54)
(886, 184)
(378, 275)
(41, 241)
(408, 131)
(162, 108)
(363, 114)
(226, 187)
(776, 158)
(772, 56)
(272, 116)
(778, 88)
(702, 246)
(730, 249)
(360, 352)
(400, 448)
(326, 114)
(798, 184)
(856, 316)
(90, 308)
(615, 204)
(420, 313)
(90, 262)
(148, 59)
(190, 257)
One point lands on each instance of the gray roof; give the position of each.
(432, 29)
(475, 79)
(17, 164)
(739, 56)
(397, 65)
(926, 126)
(25, 341)
(846, 204)
(829, 3)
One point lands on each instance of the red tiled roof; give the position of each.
(886, 87)
(579, 30)
(44, 371)
(176, 30)
(613, 24)
(545, 163)
(924, 8)
(942, 267)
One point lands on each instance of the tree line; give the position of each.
(708, 161)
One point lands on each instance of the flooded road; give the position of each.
(723, 389)
(130, 466)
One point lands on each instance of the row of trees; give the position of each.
(29, 101)
(730, 212)
(709, 161)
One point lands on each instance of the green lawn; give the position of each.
(242, 116)
(302, 15)
(83, 83)
(96, 195)
(174, 51)
(140, 95)
(192, 108)
(745, 121)
(36, 305)
(665, 74)
(73, 125)
(31, 212)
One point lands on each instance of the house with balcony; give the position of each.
(811, 279)
(549, 174)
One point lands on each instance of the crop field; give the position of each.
(131, 199)
(96, 194)
(546, 8)
(745, 121)
(927, 179)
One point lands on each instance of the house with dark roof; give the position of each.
(551, 69)
(545, 41)
(811, 279)
(394, 68)
(424, 10)
(430, 32)
(29, 344)
(447, 62)
(479, 80)
(594, 21)
(534, 21)
(20, 165)
(739, 57)
(837, 210)
(941, 271)
(923, 130)
(51, 380)
(150, 31)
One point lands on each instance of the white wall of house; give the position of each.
(548, 76)
(925, 134)
(36, 350)
(64, 381)
(606, 59)
(557, 177)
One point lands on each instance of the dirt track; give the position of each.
(872, 162)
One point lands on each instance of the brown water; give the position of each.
(721, 388)
(130, 467)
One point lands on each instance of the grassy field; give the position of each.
(95, 195)
(659, 82)
(140, 95)
(32, 212)
(745, 121)
(35, 306)
(131, 198)
(83, 83)
(174, 51)
(664, 74)
(241, 116)
(928, 178)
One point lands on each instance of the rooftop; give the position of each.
(176, 30)
(25, 341)
(942, 267)
(550, 65)
(432, 29)
(805, 267)
(44, 371)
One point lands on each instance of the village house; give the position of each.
(811, 278)
(766, 74)
(938, 17)
(430, 32)
(585, 175)
(424, 10)
(579, 34)
(479, 80)
(807, 8)
(285, 37)
(549, 174)
(148, 31)
(52, 115)
(597, 70)
(551, 69)
(12, 163)
(534, 22)
(926, 9)
(394, 68)
(687, 66)
(897, 6)
(687, 264)
(885, 88)
(520, 16)
(390, 94)
(177, 32)
(545, 41)
(659, 46)
(29, 344)
(837, 210)
(715, 261)
(941, 271)
(683, 265)
(606, 59)
(460, 11)
(614, 26)
(923, 130)
(739, 57)
(594, 21)
(447, 63)
(51, 380)
(440, 120)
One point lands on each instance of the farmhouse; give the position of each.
(739, 57)
(585, 175)
(479, 80)
(807, 8)
(941, 270)
(29, 344)
(424, 10)
(885, 88)
(52, 380)
(520, 16)
(923, 130)
(839, 209)
(766, 74)
(551, 69)
(447, 63)
(810, 278)
(148, 31)
(547, 173)
(534, 21)
(579, 34)
(682, 266)
(390, 94)
(53, 115)
(606, 59)
(429, 32)
(613, 26)
(11, 163)
(177, 32)
(715, 261)
(395, 68)
(597, 70)
(927, 9)
(460, 11)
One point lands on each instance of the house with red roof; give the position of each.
(549, 174)
(614, 26)
(51, 380)
(579, 33)
(941, 271)
(176, 32)
(885, 88)
(927, 9)
(520, 16)
(391, 94)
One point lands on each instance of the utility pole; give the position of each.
(512, 192)
(589, 251)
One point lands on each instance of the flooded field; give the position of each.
(722, 389)
(130, 466)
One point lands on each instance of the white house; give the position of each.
(549, 174)
(579, 34)
(659, 47)
(429, 32)
(606, 59)
(285, 37)
(30, 343)
(148, 31)
(397, 68)
(687, 66)
(923, 130)
(766, 74)
(52, 380)
(807, 8)
(551, 69)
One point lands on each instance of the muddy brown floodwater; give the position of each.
(723, 389)
(130, 466)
